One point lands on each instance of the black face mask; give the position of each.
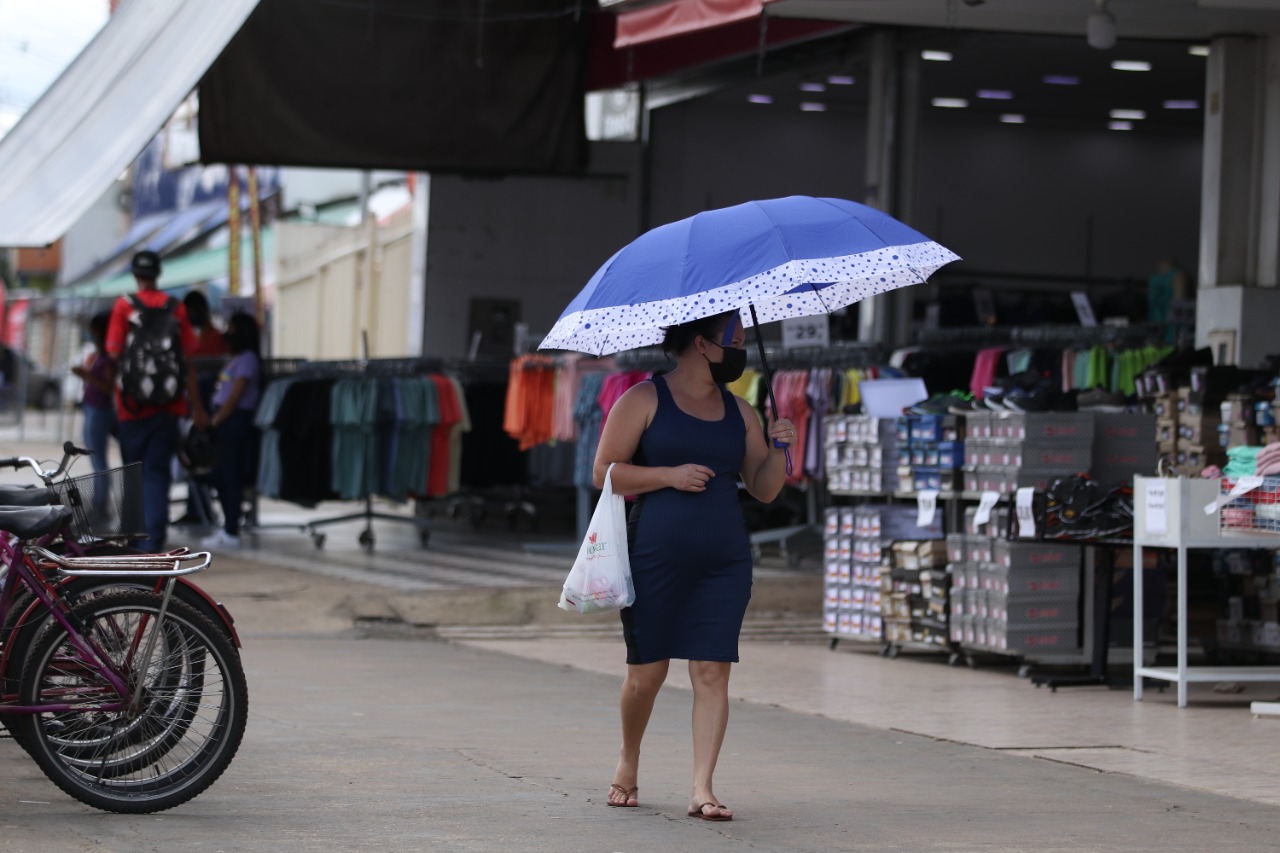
(730, 368)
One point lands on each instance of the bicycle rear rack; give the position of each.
(169, 565)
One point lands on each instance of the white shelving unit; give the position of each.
(1169, 513)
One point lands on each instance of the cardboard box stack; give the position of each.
(932, 454)
(859, 547)
(1123, 446)
(1013, 597)
(1006, 451)
(918, 590)
(861, 455)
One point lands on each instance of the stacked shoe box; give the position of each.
(1034, 598)
(918, 593)
(851, 605)
(861, 455)
(1124, 445)
(1006, 451)
(1020, 598)
(858, 564)
(933, 454)
(968, 554)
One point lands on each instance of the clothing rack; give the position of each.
(306, 369)
(1045, 335)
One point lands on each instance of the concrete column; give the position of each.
(1232, 161)
(1237, 299)
(875, 317)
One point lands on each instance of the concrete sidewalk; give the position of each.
(408, 700)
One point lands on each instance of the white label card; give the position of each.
(1026, 512)
(927, 501)
(1242, 487)
(985, 505)
(1155, 498)
(1084, 310)
(812, 331)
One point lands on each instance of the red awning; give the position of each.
(680, 17)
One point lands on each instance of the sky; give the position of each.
(38, 39)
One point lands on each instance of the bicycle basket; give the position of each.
(105, 505)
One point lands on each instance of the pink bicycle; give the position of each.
(127, 694)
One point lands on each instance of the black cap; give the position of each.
(145, 264)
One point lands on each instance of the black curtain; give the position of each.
(434, 85)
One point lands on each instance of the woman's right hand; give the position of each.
(691, 478)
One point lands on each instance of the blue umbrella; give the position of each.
(786, 257)
(779, 258)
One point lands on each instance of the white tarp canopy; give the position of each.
(92, 122)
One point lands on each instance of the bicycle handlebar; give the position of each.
(69, 452)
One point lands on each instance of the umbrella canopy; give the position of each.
(786, 257)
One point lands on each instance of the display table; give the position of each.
(1169, 513)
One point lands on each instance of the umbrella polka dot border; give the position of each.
(799, 288)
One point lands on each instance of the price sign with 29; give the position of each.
(806, 332)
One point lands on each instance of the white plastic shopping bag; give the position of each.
(601, 577)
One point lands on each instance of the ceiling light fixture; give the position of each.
(935, 56)
(813, 107)
(760, 99)
(813, 87)
(1130, 65)
(950, 103)
(1100, 28)
(995, 94)
(1061, 80)
(840, 80)
(1182, 105)
(1129, 115)
(1013, 118)
(1120, 125)
(1198, 50)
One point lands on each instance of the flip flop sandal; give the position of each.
(626, 793)
(699, 813)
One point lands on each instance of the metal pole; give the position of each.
(233, 226)
(255, 231)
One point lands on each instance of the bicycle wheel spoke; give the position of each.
(178, 726)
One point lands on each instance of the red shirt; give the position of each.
(118, 328)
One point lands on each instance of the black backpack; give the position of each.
(152, 371)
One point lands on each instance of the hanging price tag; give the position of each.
(927, 502)
(1242, 487)
(1026, 512)
(985, 505)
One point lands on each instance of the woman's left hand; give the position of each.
(783, 431)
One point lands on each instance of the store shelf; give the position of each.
(1210, 673)
(1176, 510)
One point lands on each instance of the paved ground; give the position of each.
(388, 718)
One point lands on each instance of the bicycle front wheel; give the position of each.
(174, 743)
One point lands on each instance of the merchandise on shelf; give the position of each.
(859, 544)
(1254, 511)
(1014, 597)
(1006, 451)
(861, 454)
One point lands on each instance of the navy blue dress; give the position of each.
(690, 554)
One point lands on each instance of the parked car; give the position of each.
(44, 390)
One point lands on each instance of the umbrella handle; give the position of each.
(768, 385)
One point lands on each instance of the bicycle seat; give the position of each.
(33, 522)
(27, 496)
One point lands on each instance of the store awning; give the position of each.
(92, 122)
(180, 273)
(681, 17)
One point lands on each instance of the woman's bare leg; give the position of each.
(639, 690)
(710, 680)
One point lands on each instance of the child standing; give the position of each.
(234, 400)
(99, 375)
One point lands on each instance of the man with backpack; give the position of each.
(151, 340)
